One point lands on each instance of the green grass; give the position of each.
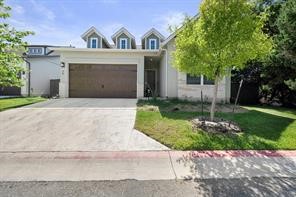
(264, 128)
(9, 103)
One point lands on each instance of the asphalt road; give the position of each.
(206, 187)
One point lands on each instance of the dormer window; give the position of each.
(94, 43)
(123, 43)
(36, 51)
(152, 44)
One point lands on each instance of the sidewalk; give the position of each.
(145, 165)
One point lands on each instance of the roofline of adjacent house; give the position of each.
(155, 52)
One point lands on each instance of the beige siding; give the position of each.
(172, 72)
(177, 86)
(193, 91)
(162, 76)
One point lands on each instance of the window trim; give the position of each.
(34, 50)
(150, 40)
(97, 43)
(126, 43)
(201, 81)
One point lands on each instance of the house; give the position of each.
(126, 70)
(44, 66)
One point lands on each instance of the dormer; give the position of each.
(94, 39)
(152, 39)
(36, 50)
(123, 39)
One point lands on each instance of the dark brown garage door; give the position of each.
(103, 81)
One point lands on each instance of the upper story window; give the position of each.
(93, 43)
(152, 44)
(123, 43)
(36, 51)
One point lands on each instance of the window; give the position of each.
(93, 43)
(152, 44)
(123, 43)
(193, 79)
(35, 51)
(207, 81)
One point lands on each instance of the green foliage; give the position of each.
(279, 71)
(226, 33)
(11, 49)
(263, 128)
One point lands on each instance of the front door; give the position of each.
(150, 83)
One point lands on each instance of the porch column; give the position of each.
(140, 78)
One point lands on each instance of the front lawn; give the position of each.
(8, 103)
(264, 127)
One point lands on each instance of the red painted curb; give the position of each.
(145, 154)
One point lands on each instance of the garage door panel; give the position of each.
(103, 81)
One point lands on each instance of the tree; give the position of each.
(227, 33)
(11, 49)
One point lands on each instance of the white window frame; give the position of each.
(126, 43)
(91, 40)
(150, 40)
(35, 51)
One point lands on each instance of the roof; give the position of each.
(94, 30)
(153, 31)
(126, 32)
(122, 30)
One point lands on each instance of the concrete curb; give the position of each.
(144, 154)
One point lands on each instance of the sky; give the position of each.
(62, 22)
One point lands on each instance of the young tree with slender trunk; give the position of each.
(11, 49)
(226, 34)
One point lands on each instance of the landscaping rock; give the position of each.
(216, 126)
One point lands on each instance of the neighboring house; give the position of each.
(44, 65)
(125, 70)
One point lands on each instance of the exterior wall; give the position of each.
(147, 43)
(177, 86)
(162, 76)
(172, 72)
(94, 35)
(84, 57)
(43, 69)
(123, 36)
(193, 91)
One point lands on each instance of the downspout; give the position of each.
(29, 76)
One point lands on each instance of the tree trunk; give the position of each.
(213, 106)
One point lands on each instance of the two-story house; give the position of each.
(41, 66)
(124, 69)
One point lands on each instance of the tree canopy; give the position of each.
(11, 49)
(225, 34)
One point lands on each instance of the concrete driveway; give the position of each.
(74, 125)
